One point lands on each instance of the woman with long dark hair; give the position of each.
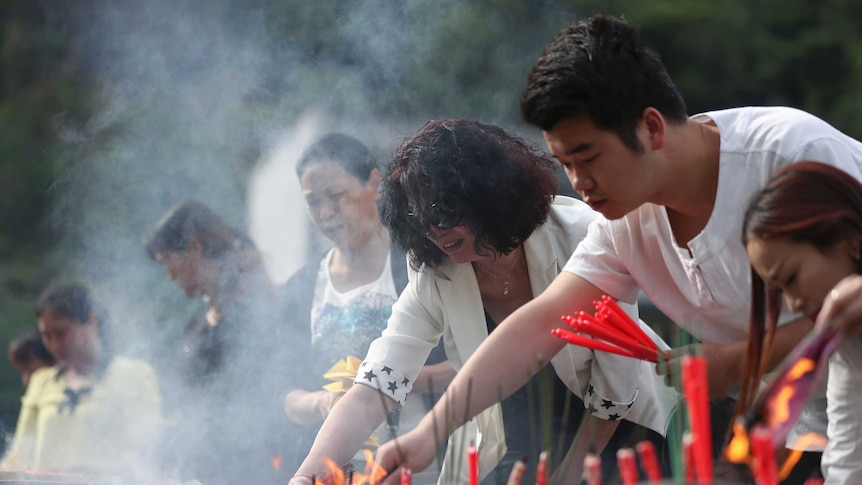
(803, 235)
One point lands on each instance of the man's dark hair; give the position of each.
(599, 68)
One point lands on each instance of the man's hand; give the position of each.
(724, 364)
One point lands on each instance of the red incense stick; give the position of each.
(765, 469)
(518, 471)
(599, 330)
(627, 465)
(593, 469)
(695, 389)
(576, 339)
(542, 469)
(473, 463)
(406, 476)
(688, 456)
(649, 461)
(628, 324)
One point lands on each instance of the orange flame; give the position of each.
(795, 454)
(372, 473)
(276, 461)
(781, 401)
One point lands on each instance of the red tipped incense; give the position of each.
(473, 463)
(626, 322)
(593, 469)
(649, 461)
(765, 469)
(406, 476)
(518, 471)
(617, 338)
(589, 343)
(688, 456)
(542, 469)
(627, 465)
(695, 389)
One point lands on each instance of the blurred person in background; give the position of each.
(93, 411)
(27, 354)
(339, 303)
(230, 360)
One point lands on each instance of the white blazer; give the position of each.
(445, 302)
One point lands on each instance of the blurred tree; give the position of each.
(40, 82)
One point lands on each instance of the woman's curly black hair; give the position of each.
(499, 185)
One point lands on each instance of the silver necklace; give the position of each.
(508, 274)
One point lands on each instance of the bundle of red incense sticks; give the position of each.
(616, 332)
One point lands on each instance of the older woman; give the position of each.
(339, 303)
(93, 411)
(475, 209)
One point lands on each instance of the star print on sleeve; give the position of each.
(396, 385)
(602, 407)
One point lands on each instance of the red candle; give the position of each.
(517, 473)
(593, 469)
(473, 463)
(542, 469)
(688, 456)
(589, 343)
(627, 465)
(649, 461)
(695, 389)
(406, 476)
(627, 323)
(765, 468)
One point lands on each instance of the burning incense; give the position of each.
(542, 469)
(473, 463)
(695, 389)
(649, 461)
(518, 471)
(593, 469)
(627, 465)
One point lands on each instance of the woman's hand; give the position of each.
(414, 451)
(842, 307)
(308, 407)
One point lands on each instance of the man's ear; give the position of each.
(655, 125)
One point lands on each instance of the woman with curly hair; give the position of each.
(475, 209)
